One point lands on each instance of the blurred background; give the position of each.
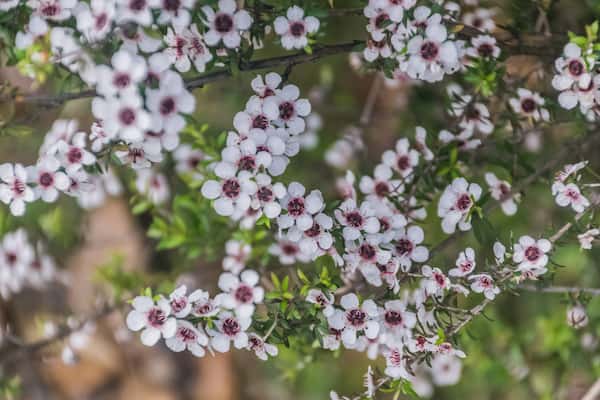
(522, 348)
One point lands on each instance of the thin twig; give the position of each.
(561, 289)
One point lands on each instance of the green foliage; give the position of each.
(118, 279)
(10, 388)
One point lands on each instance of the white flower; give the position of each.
(186, 46)
(484, 46)
(432, 55)
(586, 238)
(356, 220)
(167, 103)
(140, 154)
(380, 21)
(262, 349)
(137, 11)
(396, 364)
(403, 160)
(268, 196)
(188, 159)
(288, 252)
(267, 86)
(54, 10)
(456, 203)
(530, 105)
(295, 28)
(406, 247)
(397, 321)
(226, 24)
(573, 79)
(333, 339)
(188, 337)
(465, 263)
(229, 329)
(569, 194)
(16, 255)
(480, 18)
(501, 191)
(73, 155)
(181, 303)
(232, 194)
(381, 185)
(316, 239)
(174, 12)
(124, 116)
(257, 115)
(62, 130)
(435, 281)
(128, 70)
(445, 369)
(153, 185)
(324, 301)
(355, 318)
(242, 155)
(375, 50)
(569, 170)
(203, 305)
(154, 319)
(378, 274)
(49, 179)
(483, 283)
(475, 118)
(238, 254)
(577, 317)
(95, 20)
(300, 209)
(365, 254)
(99, 136)
(530, 254)
(292, 110)
(240, 293)
(14, 190)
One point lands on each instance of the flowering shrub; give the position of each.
(306, 267)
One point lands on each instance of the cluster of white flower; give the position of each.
(415, 37)
(577, 81)
(22, 265)
(565, 189)
(141, 101)
(198, 323)
(266, 137)
(400, 329)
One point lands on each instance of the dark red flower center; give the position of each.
(223, 23)
(297, 29)
(231, 327)
(156, 317)
(429, 51)
(244, 294)
(231, 188)
(296, 207)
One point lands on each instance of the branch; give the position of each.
(199, 81)
(561, 289)
(543, 46)
(9, 353)
(520, 187)
(478, 309)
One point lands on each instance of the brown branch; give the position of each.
(527, 44)
(561, 289)
(215, 76)
(478, 309)
(8, 353)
